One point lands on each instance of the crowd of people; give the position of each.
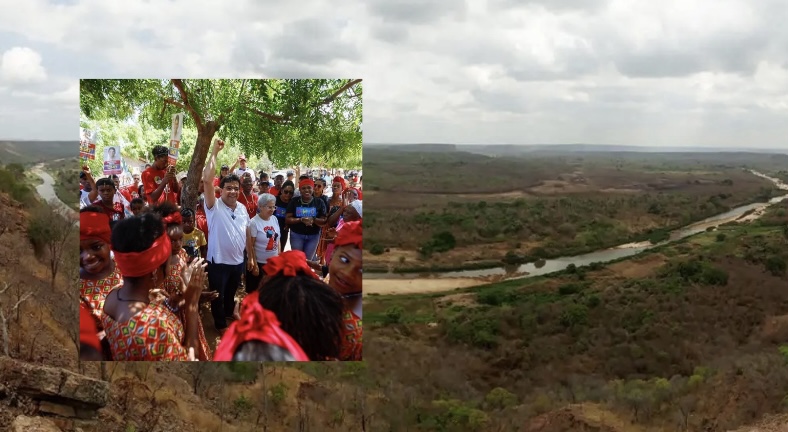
(148, 264)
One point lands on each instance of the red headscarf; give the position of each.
(256, 324)
(173, 218)
(88, 334)
(306, 182)
(134, 264)
(350, 234)
(341, 181)
(94, 225)
(289, 263)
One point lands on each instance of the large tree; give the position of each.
(292, 122)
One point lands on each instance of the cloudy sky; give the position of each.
(708, 73)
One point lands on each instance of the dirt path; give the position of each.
(417, 286)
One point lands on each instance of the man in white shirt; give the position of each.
(242, 169)
(89, 192)
(228, 236)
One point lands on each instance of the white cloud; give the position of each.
(21, 65)
(605, 71)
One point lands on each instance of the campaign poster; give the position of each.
(87, 144)
(112, 160)
(175, 138)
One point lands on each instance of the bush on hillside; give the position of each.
(776, 265)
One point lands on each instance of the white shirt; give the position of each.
(241, 171)
(226, 236)
(84, 201)
(267, 237)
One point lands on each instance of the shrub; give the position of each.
(594, 301)
(500, 398)
(574, 316)
(393, 315)
(596, 266)
(776, 265)
(513, 258)
(377, 249)
(278, 394)
(721, 237)
(714, 276)
(242, 406)
(571, 268)
(569, 289)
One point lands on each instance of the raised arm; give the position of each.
(209, 172)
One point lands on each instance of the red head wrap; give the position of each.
(306, 182)
(341, 181)
(350, 234)
(88, 334)
(94, 225)
(134, 264)
(173, 218)
(289, 263)
(256, 324)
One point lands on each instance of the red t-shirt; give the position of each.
(216, 185)
(202, 222)
(250, 203)
(273, 190)
(151, 179)
(130, 192)
(115, 212)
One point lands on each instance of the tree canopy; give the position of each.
(291, 122)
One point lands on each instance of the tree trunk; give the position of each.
(4, 326)
(194, 175)
(104, 371)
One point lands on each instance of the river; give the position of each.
(46, 191)
(386, 283)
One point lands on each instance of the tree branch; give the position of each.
(185, 98)
(173, 102)
(341, 90)
(24, 297)
(272, 117)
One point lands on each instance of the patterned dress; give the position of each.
(93, 292)
(351, 337)
(172, 285)
(154, 334)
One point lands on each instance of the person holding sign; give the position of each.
(305, 215)
(159, 180)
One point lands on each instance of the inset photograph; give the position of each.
(220, 220)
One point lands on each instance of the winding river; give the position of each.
(388, 283)
(46, 191)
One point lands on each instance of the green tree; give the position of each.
(292, 122)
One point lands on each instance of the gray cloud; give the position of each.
(313, 40)
(415, 11)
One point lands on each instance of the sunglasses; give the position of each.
(287, 192)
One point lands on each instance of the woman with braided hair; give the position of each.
(138, 326)
(175, 283)
(294, 316)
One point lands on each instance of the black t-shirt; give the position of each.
(315, 208)
(279, 213)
